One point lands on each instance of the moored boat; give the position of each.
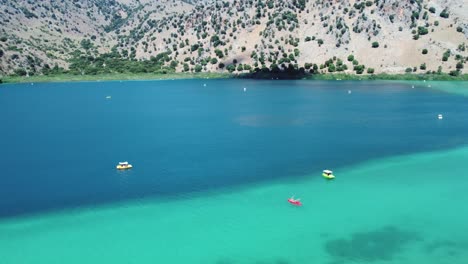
(124, 166)
(296, 202)
(328, 174)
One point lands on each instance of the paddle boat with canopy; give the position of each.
(328, 174)
(124, 166)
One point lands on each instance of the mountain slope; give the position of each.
(385, 35)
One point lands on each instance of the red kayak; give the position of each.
(296, 202)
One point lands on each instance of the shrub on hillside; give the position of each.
(219, 53)
(375, 44)
(444, 13)
(20, 72)
(446, 55)
(231, 68)
(422, 30)
(424, 51)
(454, 73)
(359, 69)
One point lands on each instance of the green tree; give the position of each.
(20, 72)
(359, 69)
(422, 30)
(194, 47)
(446, 55)
(231, 68)
(454, 73)
(86, 44)
(219, 53)
(375, 44)
(444, 13)
(424, 51)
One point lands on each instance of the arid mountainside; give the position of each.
(94, 36)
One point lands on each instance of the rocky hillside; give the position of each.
(354, 36)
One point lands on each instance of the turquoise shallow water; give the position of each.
(406, 209)
(214, 166)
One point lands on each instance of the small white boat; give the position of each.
(124, 165)
(349, 91)
(440, 116)
(245, 89)
(108, 97)
(412, 86)
(328, 174)
(204, 84)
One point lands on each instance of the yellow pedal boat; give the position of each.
(124, 166)
(328, 174)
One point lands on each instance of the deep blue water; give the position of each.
(60, 142)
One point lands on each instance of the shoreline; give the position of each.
(266, 76)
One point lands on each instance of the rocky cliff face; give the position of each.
(200, 35)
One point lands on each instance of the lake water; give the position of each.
(214, 164)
